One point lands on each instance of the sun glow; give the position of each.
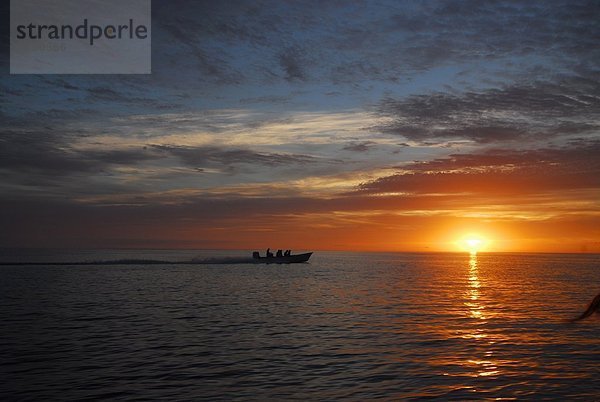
(473, 243)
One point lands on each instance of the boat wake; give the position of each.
(255, 259)
(196, 260)
(222, 260)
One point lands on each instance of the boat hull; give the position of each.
(287, 259)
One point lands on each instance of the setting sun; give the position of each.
(473, 243)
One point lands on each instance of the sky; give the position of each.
(341, 125)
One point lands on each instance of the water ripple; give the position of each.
(346, 326)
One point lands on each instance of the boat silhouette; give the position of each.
(280, 259)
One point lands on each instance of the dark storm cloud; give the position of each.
(209, 155)
(500, 171)
(512, 112)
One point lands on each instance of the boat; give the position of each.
(284, 259)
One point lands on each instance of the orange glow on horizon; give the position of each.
(473, 243)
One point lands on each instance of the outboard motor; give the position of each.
(256, 255)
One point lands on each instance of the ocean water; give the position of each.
(351, 326)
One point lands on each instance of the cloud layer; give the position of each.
(526, 112)
(367, 124)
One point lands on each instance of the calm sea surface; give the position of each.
(345, 326)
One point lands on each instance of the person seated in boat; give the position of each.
(287, 253)
(269, 253)
(256, 255)
(279, 253)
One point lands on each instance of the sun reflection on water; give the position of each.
(475, 308)
(483, 366)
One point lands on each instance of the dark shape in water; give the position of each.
(593, 307)
(256, 259)
(125, 261)
(280, 258)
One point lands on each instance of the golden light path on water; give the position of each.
(484, 366)
(397, 326)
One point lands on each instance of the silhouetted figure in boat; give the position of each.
(287, 253)
(594, 307)
(279, 253)
(269, 253)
